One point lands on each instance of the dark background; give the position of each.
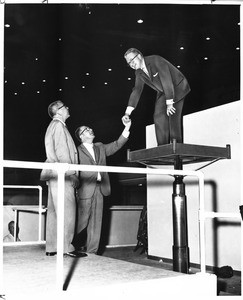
(49, 49)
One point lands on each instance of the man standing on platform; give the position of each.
(171, 87)
(60, 148)
(94, 185)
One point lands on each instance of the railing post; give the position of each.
(60, 226)
(201, 217)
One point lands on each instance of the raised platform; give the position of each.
(30, 274)
(186, 153)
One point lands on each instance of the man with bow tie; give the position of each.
(94, 185)
(171, 87)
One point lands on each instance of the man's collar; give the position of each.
(58, 119)
(88, 144)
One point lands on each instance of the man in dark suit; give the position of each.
(171, 87)
(94, 185)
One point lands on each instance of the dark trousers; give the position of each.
(170, 127)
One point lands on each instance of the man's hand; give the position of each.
(170, 109)
(126, 119)
(74, 180)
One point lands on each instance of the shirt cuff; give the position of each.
(126, 133)
(129, 110)
(169, 101)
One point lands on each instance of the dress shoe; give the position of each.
(50, 253)
(75, 254)
(81, 249)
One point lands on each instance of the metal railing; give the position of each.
(62, 168)
(40, 209)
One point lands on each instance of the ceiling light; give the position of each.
(181, 48)
(87, 74)
(66, 77)
(7, 25)
(237, 48)
(23, 82)
(178, 67)
(207, 38)
(140, 21)
(129, 78)
(105, 83)
(83, 87)
(109, 70)
(205, 58)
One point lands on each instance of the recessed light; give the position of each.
(140, 21)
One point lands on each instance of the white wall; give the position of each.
(28, 224)
(212, 127)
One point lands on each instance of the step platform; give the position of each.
(186, 153)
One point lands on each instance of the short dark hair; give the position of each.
(11, 223)
(77, 133)
(133, 50)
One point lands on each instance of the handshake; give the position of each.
(126, 120)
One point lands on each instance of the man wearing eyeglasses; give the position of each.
(171, 87)
(60, 148)
(94, 185)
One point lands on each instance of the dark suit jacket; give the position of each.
(164, 77)
(88, 179)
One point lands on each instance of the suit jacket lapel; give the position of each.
(84, 149)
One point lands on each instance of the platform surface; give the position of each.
(30, 274)
(187, 153)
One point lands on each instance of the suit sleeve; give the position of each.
(115, 146)
(136, 92)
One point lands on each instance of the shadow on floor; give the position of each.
(225, 286)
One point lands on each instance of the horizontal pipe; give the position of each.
(222, 215)
(64, 167)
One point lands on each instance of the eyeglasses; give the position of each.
(87, 128)
(129, 62)
(61, 106)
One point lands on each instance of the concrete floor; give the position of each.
(225, 286)
(30, 274)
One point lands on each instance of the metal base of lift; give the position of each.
(177, 154)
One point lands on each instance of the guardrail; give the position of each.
(40, 209)
(62, 168)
